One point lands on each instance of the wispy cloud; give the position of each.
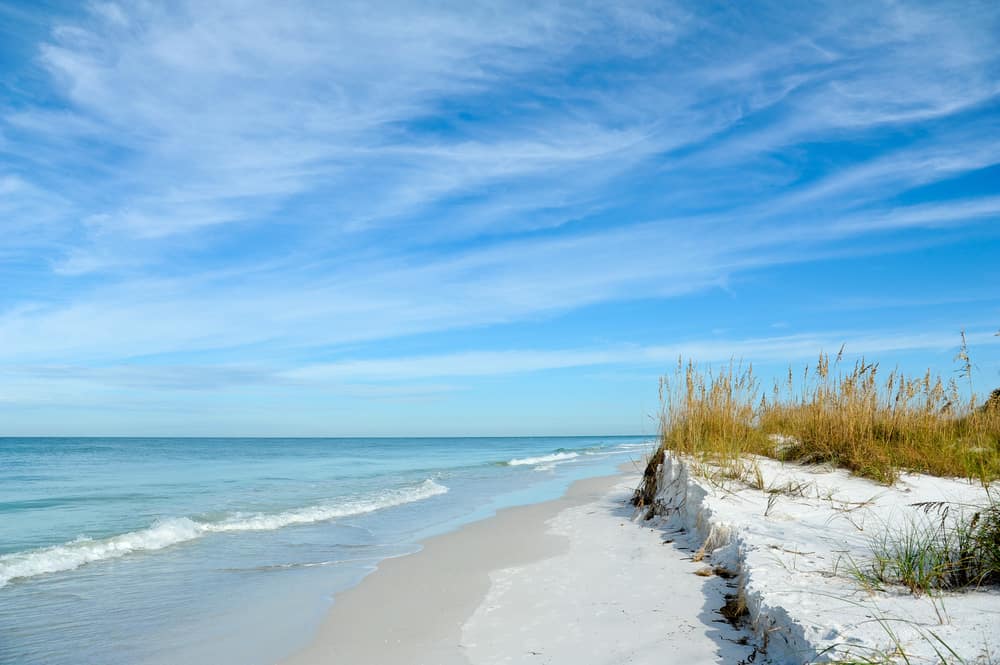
(788, 348)
(420, 376)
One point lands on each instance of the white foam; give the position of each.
(322, 513)
(637, 446)
(164, 533)
(555, 457)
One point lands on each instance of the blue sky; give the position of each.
(297, 218)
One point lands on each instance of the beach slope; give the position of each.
(569, 581)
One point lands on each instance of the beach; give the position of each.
(708, 572)
(573, 580)
(499, 333)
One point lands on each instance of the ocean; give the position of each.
(216, 551)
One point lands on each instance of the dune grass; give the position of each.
(856, 417)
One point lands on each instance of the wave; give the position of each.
(276, 567)
(173, 531)
(644, 444)
(554, 457)
(621, 448)
(322, 513)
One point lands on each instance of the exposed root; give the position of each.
(645, 494)
(735, 609)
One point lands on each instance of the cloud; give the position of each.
(221, 110)
(230, 113)
(378, 299)
(172, 377)
(781, 349)
(419, 376)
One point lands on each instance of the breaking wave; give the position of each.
(554, 457)
(167, 532)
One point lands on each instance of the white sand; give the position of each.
(567, 582)
(618, 594)
(794, 549)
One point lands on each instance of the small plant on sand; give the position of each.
(947, 552)
(915, 556)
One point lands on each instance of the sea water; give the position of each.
(217, 551)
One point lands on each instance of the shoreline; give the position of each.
(533, 580)
(385, 618)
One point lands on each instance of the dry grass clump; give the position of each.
(856, 417)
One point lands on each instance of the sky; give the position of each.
(480, 218)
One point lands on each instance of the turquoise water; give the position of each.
(220, 551)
